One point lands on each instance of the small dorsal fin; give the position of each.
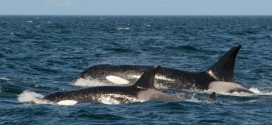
(147, 79)
(223, 70)
(212, 97)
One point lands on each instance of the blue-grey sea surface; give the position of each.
(44, 54)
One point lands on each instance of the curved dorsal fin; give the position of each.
(147, 79)
(223, 70)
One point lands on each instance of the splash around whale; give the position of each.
(217, 78)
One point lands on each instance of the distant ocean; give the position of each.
(44, 54)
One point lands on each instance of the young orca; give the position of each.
(168, 78)
(142, 90)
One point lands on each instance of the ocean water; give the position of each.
(44, 54)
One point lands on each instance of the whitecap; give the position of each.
(123, 28)
(4, 78)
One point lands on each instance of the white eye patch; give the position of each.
(117, 80)
(67, 102)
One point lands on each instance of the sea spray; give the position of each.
(32, 98)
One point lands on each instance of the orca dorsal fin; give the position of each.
(223, 70)
(147, 79)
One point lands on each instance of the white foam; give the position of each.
(258, 91)
(88, 82)
(67, 102)
(188, 98)
(32, 97)
(117, 80)
(255, 90)
(4, 78)
(193, 99)
(123, 28)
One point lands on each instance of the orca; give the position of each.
(169, 78)
(142, 90)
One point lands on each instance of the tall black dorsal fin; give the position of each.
(147, 79)
(223, 70)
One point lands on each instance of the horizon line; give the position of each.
(131, 15)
